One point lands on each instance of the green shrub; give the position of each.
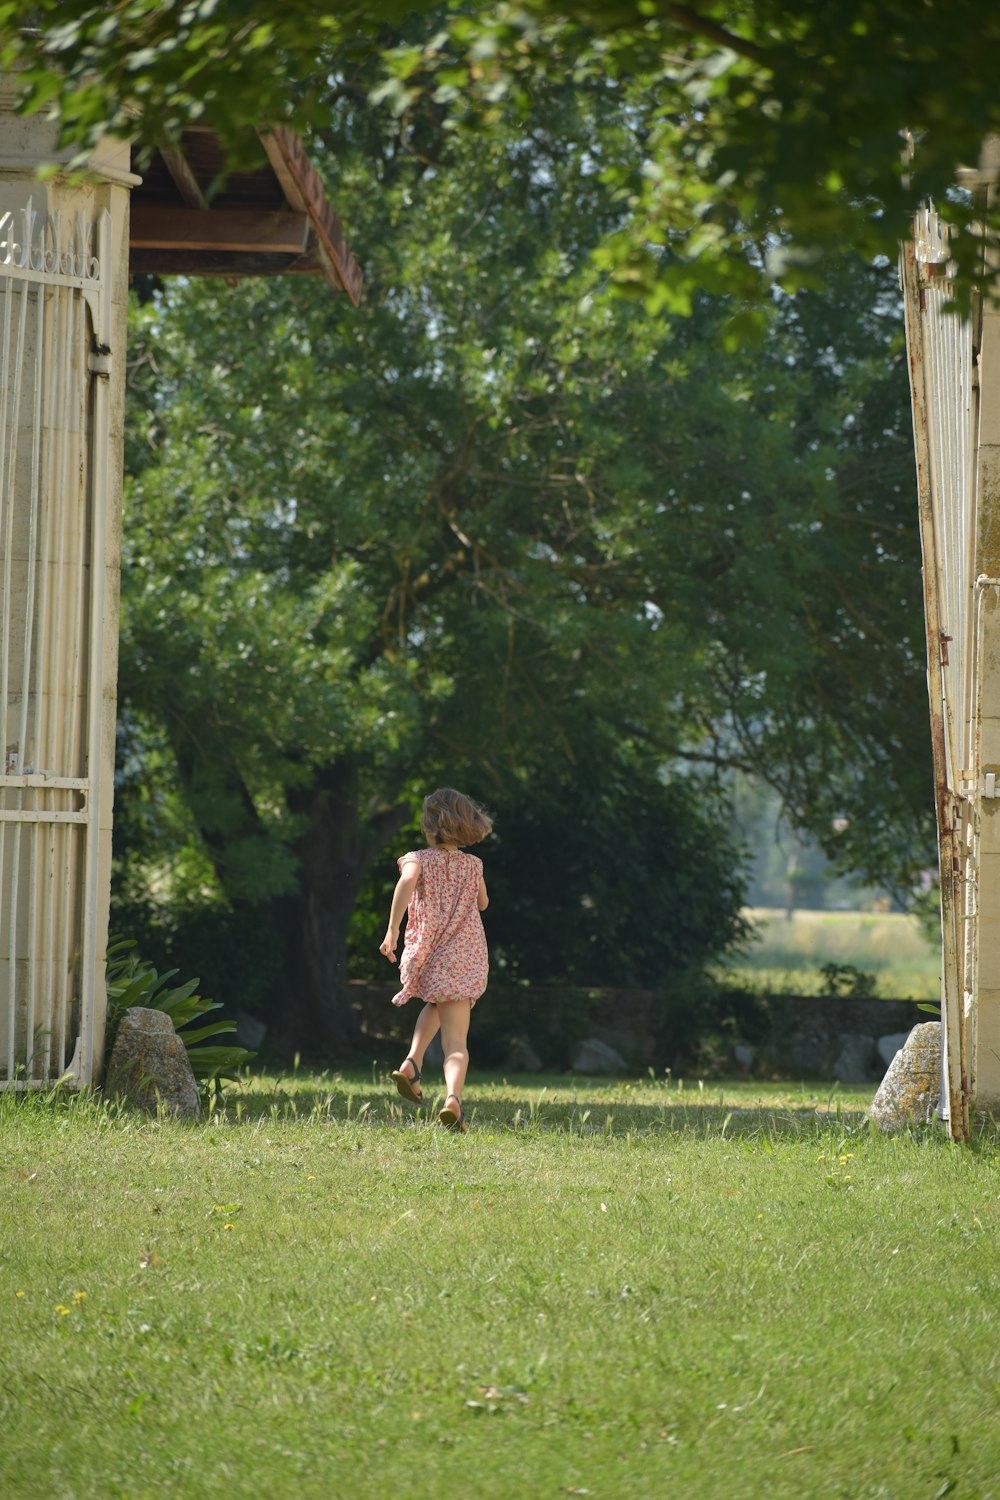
(846, 982)
(233, 951)
(132, 981)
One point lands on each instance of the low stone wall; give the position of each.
(822, 1037)
(790, 1035)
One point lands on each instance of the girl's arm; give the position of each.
(482, 899)
(405, 885)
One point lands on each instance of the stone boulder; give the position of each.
(593, 1056)
(149, 1065)
(889, 1045)
(522, 1057)
(910, 1092)
(856, 1060)
(249, 1031)
(813, 1055)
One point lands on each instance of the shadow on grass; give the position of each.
(586, 1108)
(579, 1106)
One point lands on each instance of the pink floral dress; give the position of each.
(444, 950)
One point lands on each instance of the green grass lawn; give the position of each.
(790, 952)
(620, 1290)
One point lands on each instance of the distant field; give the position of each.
(789, 954)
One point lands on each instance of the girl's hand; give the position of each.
(388, 945)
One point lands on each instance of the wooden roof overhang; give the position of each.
(268, 220)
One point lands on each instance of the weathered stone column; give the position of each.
(63, 298)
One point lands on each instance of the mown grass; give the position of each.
(627, 1289)
(790, 952)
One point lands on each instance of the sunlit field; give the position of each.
(790, 953)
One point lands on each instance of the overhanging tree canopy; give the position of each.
(777, 121)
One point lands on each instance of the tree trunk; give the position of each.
(311, 1008)
(334, 857)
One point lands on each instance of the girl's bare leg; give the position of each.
(426, 1029)
(454, 1021)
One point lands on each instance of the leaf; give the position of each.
(216, 1027)
(746, 328)
(208, 1063)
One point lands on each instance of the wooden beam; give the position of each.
(158, 226)
(290, 184)
(303, 187)
(181, 262)
(185, 181)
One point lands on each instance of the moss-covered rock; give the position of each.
(910, 1092)
(149, 1065)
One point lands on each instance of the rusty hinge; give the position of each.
(99, 362)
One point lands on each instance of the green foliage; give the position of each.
(604, 874)
(499, 529)
(765, 131)
(236, 958)
(132, 981)
(152, 68)
(600, 872)
(846, 982)
(779, 129)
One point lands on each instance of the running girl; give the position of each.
(444, 961)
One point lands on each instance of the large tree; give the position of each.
(776, 120)
(494, 521)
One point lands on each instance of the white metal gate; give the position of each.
(54, 334)
(940, 348)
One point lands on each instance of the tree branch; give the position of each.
(687, 19)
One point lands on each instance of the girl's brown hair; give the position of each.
(450, 818)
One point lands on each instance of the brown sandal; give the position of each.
(404, 1083)
(451, 1118)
